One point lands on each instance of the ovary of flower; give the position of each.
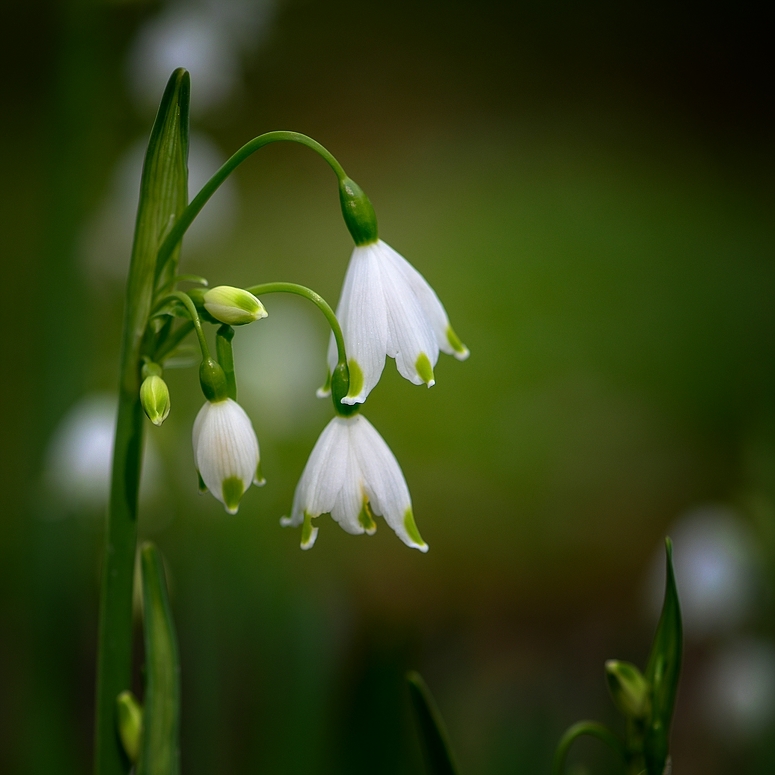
(353, 476)
(388, 308)
(226, 451)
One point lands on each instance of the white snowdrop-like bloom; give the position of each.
(226, 451)
(388, 308)
(353, 476)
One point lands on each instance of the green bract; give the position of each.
(233, 306)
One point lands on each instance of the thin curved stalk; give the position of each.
(593, 729)
(200, 200)
(316, 299)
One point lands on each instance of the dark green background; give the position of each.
(589, 189)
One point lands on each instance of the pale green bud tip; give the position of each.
(325, 390)
(411, 530)
(308, 532)
(358, 213)
(629, 689)
(155, 398)
(232, 489)
(366, 519)
(129, 717)
(425, 369)
(458, 348)
(233, 306)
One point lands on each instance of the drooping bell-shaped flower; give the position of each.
(226, 451)
(386, 308)
(353, 476)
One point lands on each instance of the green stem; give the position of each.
(593, 729)
(225, 354)
(316, 299)
(187, 302)
(200, 200)
(114, 662)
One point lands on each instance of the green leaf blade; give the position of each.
(159, 754)
(433, 733)
(663, 672)
(163, 197)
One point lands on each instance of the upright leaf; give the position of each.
(163, 195)
(662, 673)
(159, 750)
(433, 733)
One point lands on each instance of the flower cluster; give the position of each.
(387, 308)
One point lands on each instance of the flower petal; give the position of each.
(322, 477)
(384, 483)
(349, 499)
(430, 303)
(225, 450)
(362, 314)
(411, 340)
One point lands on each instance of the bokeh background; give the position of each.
(589, 188)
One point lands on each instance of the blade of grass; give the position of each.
(433, 733)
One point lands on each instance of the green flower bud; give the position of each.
(358, 213)
(155, 398)
(130, 724)
(233, 306)
(629, 689)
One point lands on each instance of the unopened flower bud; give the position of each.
(629, 689)
(233, 306)
(129, 715)
(155, 398)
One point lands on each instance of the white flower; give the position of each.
(353, 476)
(226, 451)
(388, 308)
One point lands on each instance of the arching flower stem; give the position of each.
(316, 299)
(186, 301)
(200, 200)
(593, 729)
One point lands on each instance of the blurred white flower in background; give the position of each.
(716, 568)
(80, 454)
(206, 37)
(107, 240)
(209, 38)
(739, 689)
